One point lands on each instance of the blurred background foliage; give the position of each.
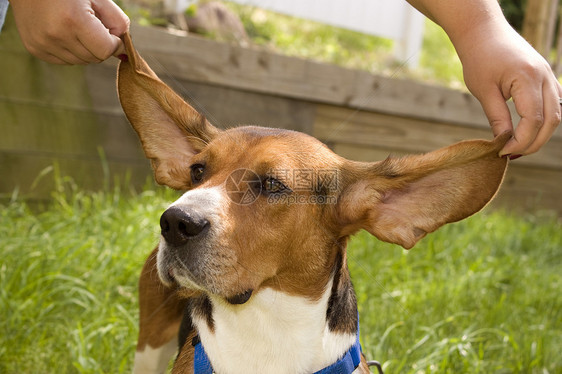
(283, 34)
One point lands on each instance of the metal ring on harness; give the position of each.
(376, 364)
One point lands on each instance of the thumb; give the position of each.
(120, 49)
(111, 16)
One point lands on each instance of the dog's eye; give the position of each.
(272, 185)
(197, 172)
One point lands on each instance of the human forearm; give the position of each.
(464, 20)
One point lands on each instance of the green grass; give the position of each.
(481, 296)
(68, 276)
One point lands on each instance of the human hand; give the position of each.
(71, 31)
(499, 64)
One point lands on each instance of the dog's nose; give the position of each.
(178, 226)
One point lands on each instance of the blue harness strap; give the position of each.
(348, 363)
(345, 365)
(201, 363)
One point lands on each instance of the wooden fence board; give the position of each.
(337, 124)
(227, 107)
(224, 106)
(42, 129)
(73, 133)
(365, 153)
(198, 59)
(530, 189)
(49, 85)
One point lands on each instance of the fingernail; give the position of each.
(514, 157)
(123, 57)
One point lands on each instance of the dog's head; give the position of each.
(273, 208)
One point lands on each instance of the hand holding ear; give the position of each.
(499, 64)
(71, 31)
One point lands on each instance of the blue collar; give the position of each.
(345, 365)
(348, 363)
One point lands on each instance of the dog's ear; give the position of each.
(170, 130)
(401, 200)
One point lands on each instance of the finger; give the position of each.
(43, 55)
(54, 50)
(95, 38)
(61, 56)
(120, 49)
(552, 114)
(81, 54)
(112, 17)
(66, 49)
(530, 108)
(497, 112)
(50, 58)
(70, 58)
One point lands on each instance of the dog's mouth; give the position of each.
(185, 282)
(179, 277)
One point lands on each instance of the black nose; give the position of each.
(178, 226)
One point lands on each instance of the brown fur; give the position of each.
(161, 308)
(293, 248)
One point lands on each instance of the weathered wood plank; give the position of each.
(335, 124)
(227, 107)
(203, 60)
(530, 189)
(27, 79)
(342, 125)
(224, 106)
(68, 133)
(365, 153)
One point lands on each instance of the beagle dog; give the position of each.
(250, 275)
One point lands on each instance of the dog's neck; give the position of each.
(274, 332)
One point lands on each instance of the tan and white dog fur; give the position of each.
(265, 285)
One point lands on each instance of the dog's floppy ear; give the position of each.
(170, 130)
(401, 200)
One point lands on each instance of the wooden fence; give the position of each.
(71, 115)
